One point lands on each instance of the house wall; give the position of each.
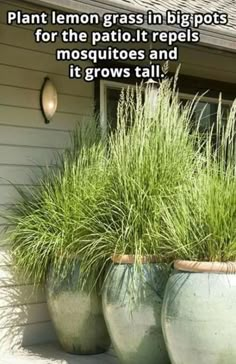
(25, 142)
(208, 63)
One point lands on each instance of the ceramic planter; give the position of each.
(77, 315)
(199, 313)
(132, 300)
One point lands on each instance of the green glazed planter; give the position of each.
(199, 313)
(77, 315)
(132, 303)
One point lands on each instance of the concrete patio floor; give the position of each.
(52, 354)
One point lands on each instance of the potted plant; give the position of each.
(199, 308)
(150, 156)
(49, 221)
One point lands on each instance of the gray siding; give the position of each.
(25, 143)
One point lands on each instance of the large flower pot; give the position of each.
(132, 300)
(76, 314)
(199, 313)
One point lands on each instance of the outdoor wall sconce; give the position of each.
(48, 100)
(151, 95)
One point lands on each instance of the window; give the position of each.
(206, 109)
(109, 98)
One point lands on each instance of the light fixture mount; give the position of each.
(151, 97)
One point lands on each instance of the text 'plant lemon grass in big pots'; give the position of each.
(49, 221)
(199, 309)
(150, 157)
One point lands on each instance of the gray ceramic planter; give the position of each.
(77, 315)
(132, 309)
(199, 314)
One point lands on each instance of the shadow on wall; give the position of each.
(24, 318)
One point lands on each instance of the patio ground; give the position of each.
(52, 354)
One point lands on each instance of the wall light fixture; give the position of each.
(48, 100)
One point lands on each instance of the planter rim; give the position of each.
(205, 267)
(132, 259)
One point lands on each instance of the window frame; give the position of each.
(104, 85)
(207, 99)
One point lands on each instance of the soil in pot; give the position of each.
(76, 314)
(132, 301)
(199, 313)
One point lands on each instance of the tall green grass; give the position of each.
(50, 220)
(154, 187)
(202, 224)
(150, 158)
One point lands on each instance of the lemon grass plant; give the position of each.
(151, 156)
(202, 224)
(50, 219)
(151, 188)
